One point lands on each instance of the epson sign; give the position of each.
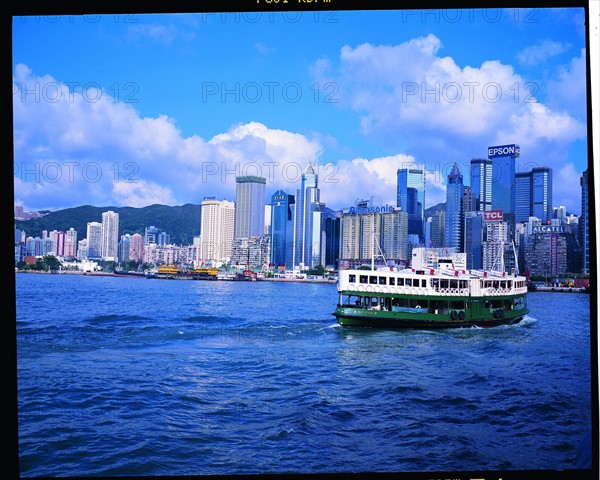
(503, 151)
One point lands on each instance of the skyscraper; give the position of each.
(481, 182)
(455, 192)
(332, 240)
(249, 206)
(523, 207)
(503, 187)
(584, 224)
(438, 229)
(282, 229)
(542, 193)
(533, 194)
(216, 229)
(110, 236)
(474, 239)
(94, 240)
(411, 199)
(308, 221)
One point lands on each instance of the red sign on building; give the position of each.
(492, 216)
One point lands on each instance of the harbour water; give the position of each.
(126, 376)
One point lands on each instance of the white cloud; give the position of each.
(563, 192)
(263, 49)
(70, 151)
(568, 87)
(540, 52)
(163, 34)
(411, 97)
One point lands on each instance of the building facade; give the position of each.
(481, 182)
(94, 240)
(584, 224)
(455, 192)
(533, 194)
(216, 229)
(249, 206)
(372, 232)
(474, 229)
(411, 199)
(308, 222)
(282, 229)
(110, 236)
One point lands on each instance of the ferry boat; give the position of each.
(436, 292)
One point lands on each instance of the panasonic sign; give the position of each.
(503, 151)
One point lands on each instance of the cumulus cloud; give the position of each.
(75, 147)
(409, 88)
(412, 98)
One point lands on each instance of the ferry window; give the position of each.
(363, 279)
(399, 302)
(495, 284)
(457, 305)
(462, 284)
(481, 283)
(444, 283)
(510, 284)
(382, 281)
(373, 280)
(409, 282)
(502, 284)
(435, 283)
(423, 283)
(392, 281)
(352, 278)
(453, 283)
(401, 282)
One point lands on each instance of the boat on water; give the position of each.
(435, 292)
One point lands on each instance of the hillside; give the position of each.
(181, 222)
(436, 208)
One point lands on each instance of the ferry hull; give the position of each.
(367, 318)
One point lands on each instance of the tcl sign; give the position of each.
(492, 216)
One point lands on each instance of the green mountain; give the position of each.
(436, 208)
(182, 222)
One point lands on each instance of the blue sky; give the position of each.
(168, 108)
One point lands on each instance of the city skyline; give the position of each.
(210, 129)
